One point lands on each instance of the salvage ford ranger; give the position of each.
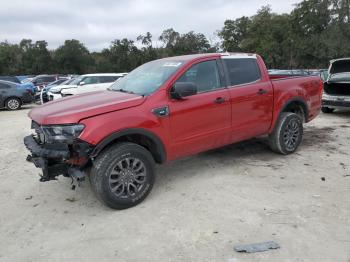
(164, 110)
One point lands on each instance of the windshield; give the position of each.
(147, 78)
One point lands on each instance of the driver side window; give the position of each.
(204, 75)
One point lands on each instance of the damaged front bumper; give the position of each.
(59, 158)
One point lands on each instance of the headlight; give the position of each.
(62, 133)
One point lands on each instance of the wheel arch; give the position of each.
(295, 105)
(298, 106)
(139, 136)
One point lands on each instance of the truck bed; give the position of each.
(304, 87)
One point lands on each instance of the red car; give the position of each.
(164, 110)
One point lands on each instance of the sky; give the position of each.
(97, 22)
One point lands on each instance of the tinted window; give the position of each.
(4, 86)
(242, 70)
(205, 75)
(108, 79)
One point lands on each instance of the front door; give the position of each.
(89, 84)
(202, 121)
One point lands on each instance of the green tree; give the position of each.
(10, 59)
(123, 55)
(149, 53)
(234, 33)
(182, 44)
(35, 58)
(73, 57)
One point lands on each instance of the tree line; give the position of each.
(313, 33)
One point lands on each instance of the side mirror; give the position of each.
(183, 89)
(82, 83)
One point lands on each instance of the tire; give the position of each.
(287, 134)
(13, 103)
(327, 110)
(123, 175)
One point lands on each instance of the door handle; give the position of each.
(219, 100)
(262, 91)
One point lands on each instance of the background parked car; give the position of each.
(13, 96)
(336, 88)
(84, 84)
(43, 80)
(15, 79)
(42, 96)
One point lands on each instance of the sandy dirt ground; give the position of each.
(199, 209)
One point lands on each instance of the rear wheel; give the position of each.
(287, 134)
(327, 110)
(123, 175)
(13, 103)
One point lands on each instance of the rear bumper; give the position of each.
(335, 101)
(58, 159)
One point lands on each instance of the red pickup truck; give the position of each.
(164, 110)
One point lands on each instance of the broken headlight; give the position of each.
(62, 133)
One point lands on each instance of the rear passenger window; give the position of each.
(205, 75)
(242, 70)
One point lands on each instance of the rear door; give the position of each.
(202, 121)
(251, 97)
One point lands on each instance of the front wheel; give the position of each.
(123, 175)
(287, 134)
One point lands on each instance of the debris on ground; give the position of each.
(323, 178)
(29, 198)
(72, 199)
(257, 247)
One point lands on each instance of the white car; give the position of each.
(84, 84)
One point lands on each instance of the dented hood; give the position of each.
(75, 108)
